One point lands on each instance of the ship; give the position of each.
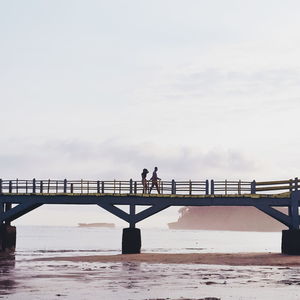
(105, 225)
(226, 218)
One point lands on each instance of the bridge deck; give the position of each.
(18, 197)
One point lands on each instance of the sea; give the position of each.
(24, 277)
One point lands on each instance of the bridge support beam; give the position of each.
(131, 241)
(7, 238)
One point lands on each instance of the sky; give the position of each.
(102, 89)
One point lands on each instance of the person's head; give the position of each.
(155, 169)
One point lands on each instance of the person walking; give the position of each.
(154, 179)
(144, 180)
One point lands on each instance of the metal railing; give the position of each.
(172, 187)
(230, 187)
(65, 186)
(279, 185)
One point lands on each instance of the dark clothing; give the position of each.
(154, 180)
(144, 181)
(144, 174)
(154, 176)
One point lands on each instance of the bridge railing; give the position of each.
(214, 187)
(279, 185)
(35, 186)
(230, 187)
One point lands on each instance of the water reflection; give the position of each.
(7, 269)
(131, 275)
(131, 266)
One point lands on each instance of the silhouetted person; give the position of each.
(144, 181)
(154, 180)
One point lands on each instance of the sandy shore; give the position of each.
(232, 259)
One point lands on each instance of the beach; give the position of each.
(74, 263)
(153, 277)
(228, 259)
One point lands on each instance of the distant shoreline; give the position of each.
(233, 259)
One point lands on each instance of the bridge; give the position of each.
(18, 197)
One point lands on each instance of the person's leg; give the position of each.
(152, 185)
(157, 187)
(144, 186)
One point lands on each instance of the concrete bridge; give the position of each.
(18, 197)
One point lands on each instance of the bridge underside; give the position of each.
(15, 206)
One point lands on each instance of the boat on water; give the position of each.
(105, 225)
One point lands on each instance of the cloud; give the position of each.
(111, 159)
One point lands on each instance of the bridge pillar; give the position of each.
(131, 241)
(7, 238)
(290, 242)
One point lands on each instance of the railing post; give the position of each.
(239, 187)
(225, 186)
(212, 187)
(10, 187)
(98, 187)
(1, 186)
(206, 187)
(296, 184)
(65, 186)
(41, 186)
(190, 187)
(72, 189)
(130, 186)
(33, 186)
(135, 187)
(173, 189)
(102, 187)
(253, 187)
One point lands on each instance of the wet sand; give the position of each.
(150, 276)
(231, 259)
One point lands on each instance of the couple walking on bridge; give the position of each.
(154, 181)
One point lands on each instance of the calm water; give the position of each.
(62, 241)
(24, 278)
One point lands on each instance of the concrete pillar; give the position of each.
(7, 238)
(131, 241)
(290, 242)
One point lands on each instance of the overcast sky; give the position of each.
(102, 89)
